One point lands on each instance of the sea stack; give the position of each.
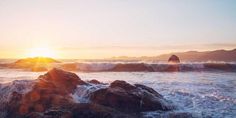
(174, 59)
(174, 63)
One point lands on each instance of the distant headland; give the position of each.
(216, 55)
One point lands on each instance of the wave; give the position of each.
(148, 67)
(6, 90)
(138, 66)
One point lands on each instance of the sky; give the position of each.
(89, 29)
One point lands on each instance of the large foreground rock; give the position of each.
(130, 98)
(51, 90)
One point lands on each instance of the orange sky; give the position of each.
(94, 29)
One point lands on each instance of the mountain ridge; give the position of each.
(216, 55)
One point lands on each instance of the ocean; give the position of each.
(201, 93)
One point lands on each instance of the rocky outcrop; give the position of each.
(94, 81)
(35, 64)
(174, 59)
(174, 64)
(130, 98)
(51, 97)
(51, 90)
(81, 110)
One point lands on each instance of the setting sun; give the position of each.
(42, 52)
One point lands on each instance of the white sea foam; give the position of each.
(82, 92)
(6, 89)
(204, 94)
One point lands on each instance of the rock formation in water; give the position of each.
(174, 59)
(34, 64)
(51, 97)
(173, 64)
(130, 98)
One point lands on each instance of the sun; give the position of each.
(41, 52)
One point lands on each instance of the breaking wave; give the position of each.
(148, 67)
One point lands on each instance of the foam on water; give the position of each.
(205, 94)
(6, 89)
(82, 92)
(202, 94)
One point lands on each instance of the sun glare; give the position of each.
(41, 52)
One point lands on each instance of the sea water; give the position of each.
(203, 94)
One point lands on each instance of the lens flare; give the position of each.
(41, 52)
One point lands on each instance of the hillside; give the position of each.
(217, 55)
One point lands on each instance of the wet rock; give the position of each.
(174, 64)
(50, 90)
(129, 98)
(174, 59)
(12, 106)
(85, 110)
(94, 81)
(34, 115)
(57, 78)
(50, 97)
(58, 114)
(122, 84)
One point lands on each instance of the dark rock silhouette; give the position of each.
(87, 110)
(51, 97)
(174, 64)
(94, 81)
(174, 59)
(129, 98)
(35, 64)
(36, 60)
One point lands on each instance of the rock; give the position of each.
(36, 64)
(51, 97)
(122, 84)
(174, 59)
(94, 81)
(174, 64)
(34, 115)
(60, 79)
(52, 89)
(58, 114)
(85, 110)
(12, 106)
(35, 60)
(129, 98)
